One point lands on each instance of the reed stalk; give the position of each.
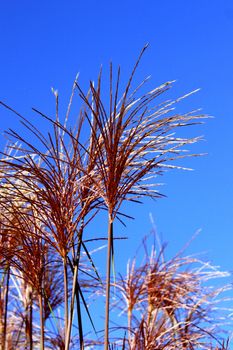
(28, 328)
(69, 325)
(80, 322)
(129, 316)
(75, 292)
(75, 285)
(41, 307)
(66, 312)
(6, 297)
(28, 318)
(108, 281)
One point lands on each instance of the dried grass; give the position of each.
(53, 185)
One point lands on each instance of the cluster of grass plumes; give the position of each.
(169, 303)
(53, 185)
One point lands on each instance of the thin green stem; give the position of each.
(108, 279)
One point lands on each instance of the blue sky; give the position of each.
(45, 43)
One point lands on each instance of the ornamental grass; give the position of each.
(55, 184)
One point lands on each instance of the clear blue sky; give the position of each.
(45, 43)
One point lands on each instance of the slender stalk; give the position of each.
(27, 328)
(108, 278)
(80, 328)
(19, 333)
(81, 340)
(129, 325)
(68, 334)
(30, 324)
(65, 294)
(41, 322)
(28, 317)
(6, 307)
(74, 290)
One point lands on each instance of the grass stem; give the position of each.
(108, 279)
(69, 326)
(41, 321)
(65, 276)
(6, 308)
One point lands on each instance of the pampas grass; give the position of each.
(53, 185)
(167, 304)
